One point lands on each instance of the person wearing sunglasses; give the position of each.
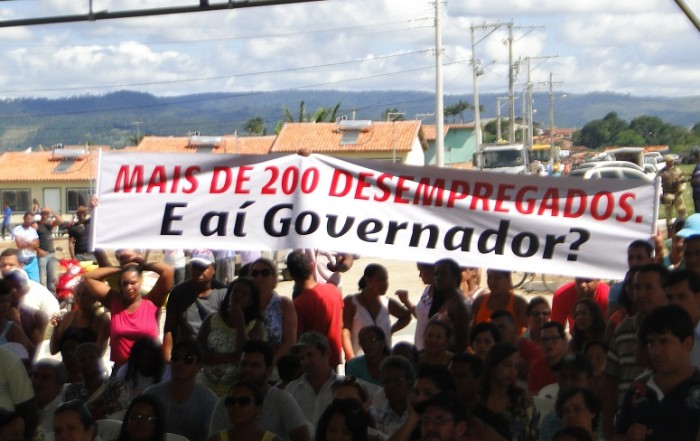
(278, 312)
(244, 403)
(188, 405)
(191, 301)
(538, 313)
(144, 420)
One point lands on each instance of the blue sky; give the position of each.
(640, 47)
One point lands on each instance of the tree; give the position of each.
(322, 114)
(629, 138)
(255, 126)
(392, 114)
(457, 108)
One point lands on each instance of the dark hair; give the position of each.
(495, 315)
(370, 271)
(440, 324)
(60, 373)
(592, 402)
(252, 312)
(593, 343)
(535, 301)
(265, 261)
(379, 333)
(298, 265)
(684, 275)
(482, 327)
(8, 252)
(576, 432)
(191, 346)
(258, 396)
(410, 347)
(496, 355)
(453, 267)
(669, 318)
(625, 299)
(287, 366)
(397, 362)
(639, 243)
(558, 326)
(356, 419)
(79, 407)
(438, 374)
(351, 381)
(138, 269)
(159, 429)
(476, 364)
(661, 270)
(260, 347)
(597, 325)
(142, 345)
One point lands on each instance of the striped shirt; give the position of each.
(621, 363)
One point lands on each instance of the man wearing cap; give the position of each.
(79, 237)
(572, 370)
(313, 390)
(672, 187)
(192, 300)
(443, 418)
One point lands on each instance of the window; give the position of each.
(19, 200)
(76, 197)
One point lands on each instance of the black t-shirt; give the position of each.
(80, 232)
(191, 310)
(45, 237)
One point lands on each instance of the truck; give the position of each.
(503, 158)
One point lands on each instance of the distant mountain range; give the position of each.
(117, 118)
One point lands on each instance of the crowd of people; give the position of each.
(208, 360)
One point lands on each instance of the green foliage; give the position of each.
(392, 114)
(456, 109)
(255, 126)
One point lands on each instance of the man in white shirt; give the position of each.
(27, 240)
(48, 378)
(36, 296)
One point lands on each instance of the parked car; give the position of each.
(614, 172)
(648, 169)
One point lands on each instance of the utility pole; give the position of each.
(439, 105)
(528, 111)
(476, 71)
(552, 152)
(499, 138)
(390, 117)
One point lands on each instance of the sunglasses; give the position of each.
(243, 401)
(187, 359)
(262, 272)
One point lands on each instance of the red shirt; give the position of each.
(539, 376)
(566, 297)
(320, 309)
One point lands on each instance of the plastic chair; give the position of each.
(107, 429)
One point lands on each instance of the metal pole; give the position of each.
(551, 119)
(511, 86)
(498, 119)
(477, 111)
(439, 106)
(528, 142)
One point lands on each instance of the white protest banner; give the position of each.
(563, 226)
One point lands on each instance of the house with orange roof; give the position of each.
(398, 141)
(60, 179)
(231, 144)
(459, 141)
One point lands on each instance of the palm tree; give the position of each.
(322, 114)
(255, 126)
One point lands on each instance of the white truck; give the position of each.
(503, 158)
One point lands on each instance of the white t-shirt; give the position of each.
(15, 384)
(28, 235)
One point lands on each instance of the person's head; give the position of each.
(84, 301)
(264, 273)
(426, 272)
(242, 293)
(683, 289)
(538, 312)
(299, 266)
(589, 322)
(18, 283)
(9, 259)
(289, 368)
(443, 417)
(482, 337)
(667, 332)
(72, 421)
(130, 282)
(573, 370)
(501, 365)
(407, 350)
(586, 287)
(691, 252)
(89, 359)
(186, 360)
(256, 362)
(373, 340)
(447, 275)
(145, 359)
(471, 274)
(11, 426)
(375, 279)
(597, 353)
(499, 282)
(144, 420)
(578, 406)
(626, 299)
(397, 377)
(640, 252)
(314, 352)
(28, 219)
(466, 370)
(48, 378)
(343, 420)
(437, 336)
(572, 433)
(82, 213)
(553, 340)
(68, 347)
(349, 388)
(244, 402)
(649, 287)
(202, 267)
(505, 323)
(431, 379)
